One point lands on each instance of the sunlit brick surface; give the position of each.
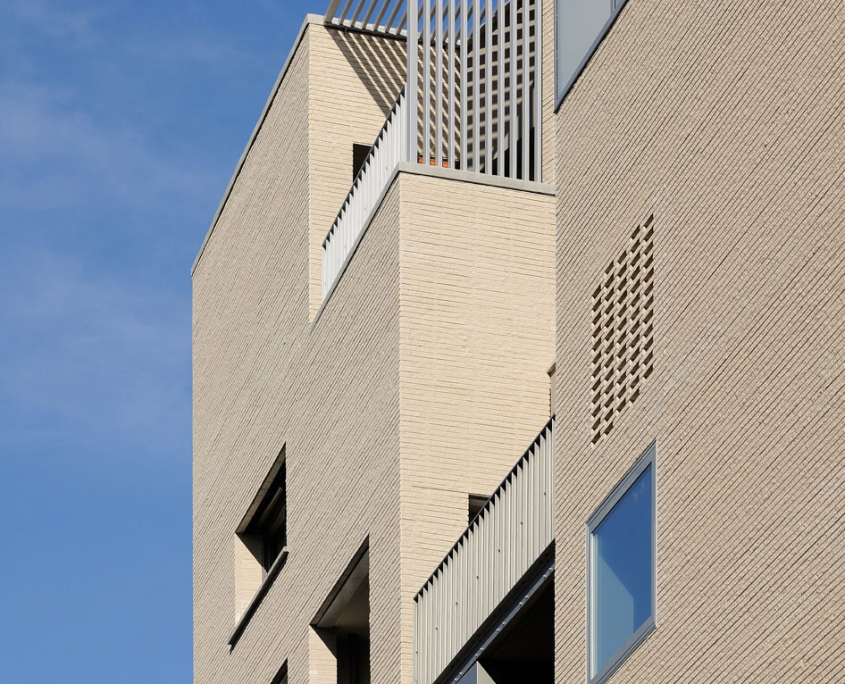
(725, 121)
(422, 380)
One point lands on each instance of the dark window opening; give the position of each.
(344, 623)
(476, 503)
(359, 156)
(269, 523)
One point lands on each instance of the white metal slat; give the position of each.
(496, 575)
(460, 593)
(438, 89)
(549, 484)
(464, 102)
(538, 90)
(476, 574)
(411, 85)
(377, 23)
(541, 497)
(500, 89)
(476, 88)
(454, 595)
(426, 89)
(451, 79)
(428, 633)
(517, 518)
(391, 24)
(354, 20)
(526, 97)
(512, 64)
(517, 488)
(483, 601)
(529, 507)
(530, 462)
(488, 88)
(438, 653)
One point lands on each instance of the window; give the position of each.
(260, 544)
(269, 522)
(621, 576)
(359, 156)
(340, 632)
(580, 26)
(475, 504)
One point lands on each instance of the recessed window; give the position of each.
(269, 522)
(621, 574)
(260, 544)
(580, 26)
(341, 628)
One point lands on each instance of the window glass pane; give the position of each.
(622, 571)
(579, 23)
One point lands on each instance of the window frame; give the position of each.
(277, 510)
(562, 92)
(646, 459)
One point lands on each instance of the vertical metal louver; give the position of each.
(474, 82)
(512, 530)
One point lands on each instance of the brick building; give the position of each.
(548, 382)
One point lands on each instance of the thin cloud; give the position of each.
(55, 154)
(76, 25)
(97, 356)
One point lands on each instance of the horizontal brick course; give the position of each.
(422, 380)
(729, 131)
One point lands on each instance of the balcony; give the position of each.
(363, 199)
(472, 101)
(508, 537)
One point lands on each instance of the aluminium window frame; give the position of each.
(646, 459)
(562, 92)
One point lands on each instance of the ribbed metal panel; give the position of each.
(455, 39)
(504, 540)
(384, 156)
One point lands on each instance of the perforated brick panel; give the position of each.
(623, 330)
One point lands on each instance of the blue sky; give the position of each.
(120, 125)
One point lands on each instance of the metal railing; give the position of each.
(384, 156)
(508, 535)
(476, 77)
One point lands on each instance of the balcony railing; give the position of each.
(505, 539)
(385, 154)
(472, 101)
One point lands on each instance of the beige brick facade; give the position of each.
(422, 379)
(730, 132)
(390, 405)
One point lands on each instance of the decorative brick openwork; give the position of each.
(623, 330)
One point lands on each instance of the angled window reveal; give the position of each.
(269, 522)
(621, 570)
(260, 544)
(580, 25)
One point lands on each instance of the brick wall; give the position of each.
(397, 369)
(724, 121)
(264, 380)
(477, 336)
